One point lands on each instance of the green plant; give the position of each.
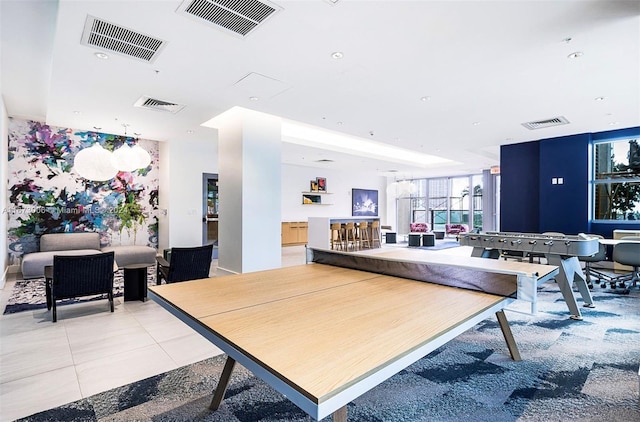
(130, 215)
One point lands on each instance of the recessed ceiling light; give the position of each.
(599, 98)
(253, 98)
(475, 123)
(339, 123)
(337, 55)
(567, 40)
(613, 123)
(102, 56)
(189, 131)
(76, 112)
(575, 54)
(425, 98)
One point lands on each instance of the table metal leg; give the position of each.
(571, 272)
(340, 415)
(48, 282)
(508, 336)
(218, 396)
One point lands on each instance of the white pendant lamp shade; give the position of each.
(402, 189)
(127, 158)
(144, 158)
(94, 163)
(124, 159)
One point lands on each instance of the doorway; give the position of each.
(210, 207)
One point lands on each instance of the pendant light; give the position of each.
(94, 163)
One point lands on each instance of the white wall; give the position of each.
(296, 179)
(4, 153)
(182, 163)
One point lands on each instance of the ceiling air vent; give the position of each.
(556, 121)
(238, 17)
(108, 36)
(153, 104)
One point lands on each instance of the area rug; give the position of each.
(571, 371)
(28, 295)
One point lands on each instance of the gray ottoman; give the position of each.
(132, 255)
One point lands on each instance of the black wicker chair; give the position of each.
(185, 264)
(82, 275)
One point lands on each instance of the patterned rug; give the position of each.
(571, 371)
(28, 295)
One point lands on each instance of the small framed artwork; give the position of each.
(322, 184)
(313, 186)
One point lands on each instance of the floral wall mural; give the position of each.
(46, 195)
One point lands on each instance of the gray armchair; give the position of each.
(589, 271)
(80, 275)
(628, 253)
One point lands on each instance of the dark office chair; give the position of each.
(599, 256)
(185, 264)
(628, 253)
(82, 275)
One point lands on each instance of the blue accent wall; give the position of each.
(564, 207)
(530, 203)
(519, 187)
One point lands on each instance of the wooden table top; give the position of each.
(323, 328)
(483, 264)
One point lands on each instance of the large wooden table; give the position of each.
(323, 335)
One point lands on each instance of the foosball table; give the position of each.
(560, 250)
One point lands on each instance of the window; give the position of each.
(441, 201)
(616, 180)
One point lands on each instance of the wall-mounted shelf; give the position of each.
(313, 198)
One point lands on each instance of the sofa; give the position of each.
(81, 244)
(419, 228)
(456, 228)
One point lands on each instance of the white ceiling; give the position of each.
(486, 67)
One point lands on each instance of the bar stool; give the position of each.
(363, 229)
(337, 240)
(350, 236)
(375, 234)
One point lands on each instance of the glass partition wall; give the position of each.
(442, 201)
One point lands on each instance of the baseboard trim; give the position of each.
(222, 272)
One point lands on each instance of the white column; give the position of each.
(249, 154)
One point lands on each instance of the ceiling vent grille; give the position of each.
(238, 17)
(159, 105)
(539, 124)
(108, 36)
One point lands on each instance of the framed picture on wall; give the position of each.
(322, 184)
(364, 202)
(313, 187)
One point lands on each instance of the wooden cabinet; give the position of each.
(294, 233)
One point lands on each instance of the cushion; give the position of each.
(132, 255)
(33, 264)
(69, 241)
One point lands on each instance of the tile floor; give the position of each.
(89, 350)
